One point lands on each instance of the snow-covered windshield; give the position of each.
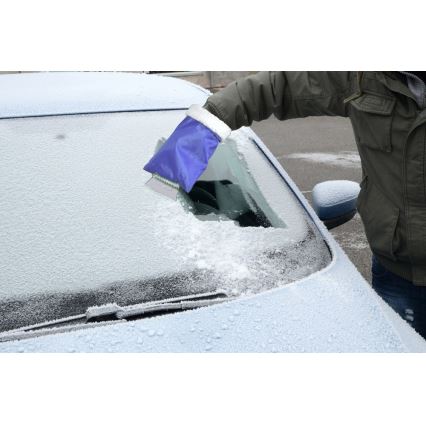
(78, 227)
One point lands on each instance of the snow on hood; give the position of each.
(333, 310)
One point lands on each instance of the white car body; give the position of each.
(331, 310)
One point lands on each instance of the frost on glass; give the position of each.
(79, 228)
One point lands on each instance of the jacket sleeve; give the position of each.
(285, 94)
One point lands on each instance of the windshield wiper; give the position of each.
(114, 312)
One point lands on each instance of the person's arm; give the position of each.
(184, 156)
(286, 94)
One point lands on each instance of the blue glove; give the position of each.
(186, 153)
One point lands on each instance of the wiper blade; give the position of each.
(178, 305)
(114, 312)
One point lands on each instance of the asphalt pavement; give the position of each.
(316, 149)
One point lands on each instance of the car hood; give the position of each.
(333, 310)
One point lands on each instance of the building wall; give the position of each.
(212, 80)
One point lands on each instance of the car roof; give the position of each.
(59, 93)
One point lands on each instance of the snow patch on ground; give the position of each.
(349, 159)
(351, 240)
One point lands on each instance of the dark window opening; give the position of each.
(224, 198)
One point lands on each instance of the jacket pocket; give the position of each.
(380, 218)
(371, 115)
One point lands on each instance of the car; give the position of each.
(92, 260)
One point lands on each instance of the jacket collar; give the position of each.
(417, 87)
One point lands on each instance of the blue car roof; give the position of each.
(58, 93)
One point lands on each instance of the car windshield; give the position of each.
(79, 228)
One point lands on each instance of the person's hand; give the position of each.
(185, 154)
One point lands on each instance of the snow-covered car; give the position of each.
(93, 260)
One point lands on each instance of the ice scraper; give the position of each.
(184, 156)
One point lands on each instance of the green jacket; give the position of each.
(390, 131)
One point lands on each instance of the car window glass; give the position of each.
(79, 228)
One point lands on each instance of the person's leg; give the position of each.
(408, 300)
